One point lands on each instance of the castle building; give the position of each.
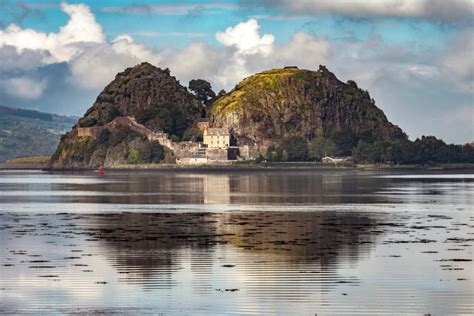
(216, 138)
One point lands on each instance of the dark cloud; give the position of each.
(59, 95)
(11, 58)
(174, 8)
(452, 11)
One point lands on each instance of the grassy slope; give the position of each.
(30, 133)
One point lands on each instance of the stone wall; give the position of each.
(93, 132)
(216, 154)
(184, 149)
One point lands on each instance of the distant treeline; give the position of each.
(364, 149)
(27, 113)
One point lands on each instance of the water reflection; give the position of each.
(238, 242)
(304, 237)
(238, 188)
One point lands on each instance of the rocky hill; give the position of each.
(274, 105)
(139, 107)
(143, 113)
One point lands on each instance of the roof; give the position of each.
(217, 132)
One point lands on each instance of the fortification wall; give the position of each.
(89, 131)
(216, 154)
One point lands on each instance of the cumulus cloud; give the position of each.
(245, 51)
(246, 38)
(62, 46)
(405, 81)
(435, 10)
(98, 64)
(80, 42)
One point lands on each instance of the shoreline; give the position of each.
(287, 166)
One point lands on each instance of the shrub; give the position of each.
(297, 148)
(135, 157)
(320, 147)
(193, 134)
(104, 136)
(157, 152)
(87, 122)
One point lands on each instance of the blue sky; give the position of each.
(414, 57)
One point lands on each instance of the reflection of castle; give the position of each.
(216, 189)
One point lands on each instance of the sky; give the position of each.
(415, 57)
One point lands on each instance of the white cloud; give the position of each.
(304, 50)
(405, 81)
(97, 65)
(459, 60)
(463, 115)
(62, 46)
(125, 44)
(81, 43)
(437, 10)
(24, 87)
(246, 38)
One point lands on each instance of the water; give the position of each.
(265, 242)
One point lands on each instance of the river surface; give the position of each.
(250, 242)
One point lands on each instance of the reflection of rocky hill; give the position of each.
(144, 243)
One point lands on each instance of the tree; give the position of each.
(363, 153)
(135, 157)
(157, 152)
(430, 149)
(345, 140)
(320, 147)
(167, 117)
(193, 134)
(203, 91)
(274, 153)
(297, 148)
(104, 136)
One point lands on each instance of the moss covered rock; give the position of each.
(273, 105)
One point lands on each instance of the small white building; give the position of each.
(328, 159)
(216, 138)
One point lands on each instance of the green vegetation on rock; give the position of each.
(273, 105)
(145, 93)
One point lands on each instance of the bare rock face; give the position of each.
(271, 106)
(107, 134)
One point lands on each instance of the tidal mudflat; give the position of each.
(284, 242)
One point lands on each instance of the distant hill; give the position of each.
(30, 133)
